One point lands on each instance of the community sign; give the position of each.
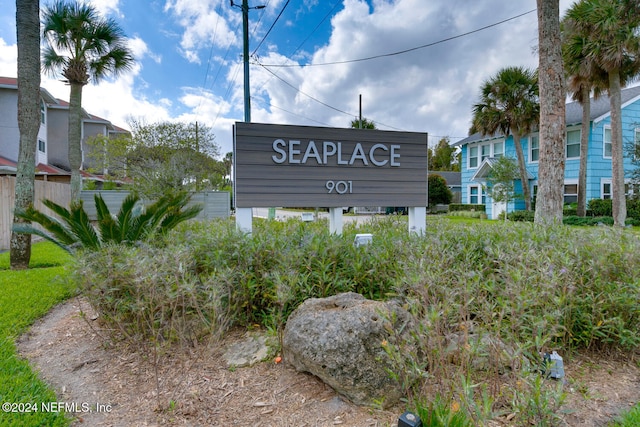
(303, 166)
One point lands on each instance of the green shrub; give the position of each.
(439, 193)
(467, 214)
(466, 207)
(600, 207)
(532, 287)
(131, 225)
(527, 216)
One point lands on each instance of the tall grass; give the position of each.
(24, 297)
(488, 299)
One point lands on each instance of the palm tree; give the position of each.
(28, 34)
(612, 42)
(365, 124)
(583, 78)
(82, 46)
(552, 115)
(509, 104)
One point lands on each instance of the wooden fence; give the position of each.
(58, 192)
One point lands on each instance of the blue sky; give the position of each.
(311, 67)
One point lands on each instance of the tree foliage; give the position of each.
(611, 42)
(443, 157)
(584, 77)
(366, 123)
(438, 190)
(509, 105)
(164, 157)
(500, 182)
(82, 46)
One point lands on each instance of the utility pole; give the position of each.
(360, 122)
(245, 53)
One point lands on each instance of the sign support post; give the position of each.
(417, 219)
(244, 219)
(335, 221)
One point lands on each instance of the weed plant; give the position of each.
(487, 298)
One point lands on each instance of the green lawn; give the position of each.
(26, 296)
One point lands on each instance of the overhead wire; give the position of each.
(267, 66)
(270, 28)
(400, 52)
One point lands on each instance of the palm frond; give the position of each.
(58, 233)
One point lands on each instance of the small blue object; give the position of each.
(409, 419)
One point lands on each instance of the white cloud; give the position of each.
(203, 26)
(107, 7)
(8, 59)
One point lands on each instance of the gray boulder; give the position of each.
(341, 340)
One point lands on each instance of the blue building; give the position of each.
(479, 152)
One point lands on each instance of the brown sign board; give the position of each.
(304, 166)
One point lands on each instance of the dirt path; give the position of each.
(198, 389)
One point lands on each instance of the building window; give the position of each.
(498, 149)
(573, 144)
(607, 143)
(42, 147)
(534, 149)
(606, 190)
(486, 152)
(473, 157)
(477, 195)
(473, 195)
(42, 114)
(571, 193)
(636, 144)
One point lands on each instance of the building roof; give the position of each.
(573, 113)
(453, 178)
(9, 167)
(485, 169)
(56, 103)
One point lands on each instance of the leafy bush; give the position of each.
(466, 207)
(439, 193)
(467, 214)
(600, 207)
(131, 225)
(527, 216)
(534, 288)
(589, 220)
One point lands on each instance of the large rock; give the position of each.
(340, 339)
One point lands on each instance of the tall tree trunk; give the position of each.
(523, 171)
(617, 156)
(28, 39)
(584, 150)
(552, 115)
(75, 139)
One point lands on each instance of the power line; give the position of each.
(265, 103)
(338, 2)
(270, 28)
(305, 94)
(369, 58)
(321, 102)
